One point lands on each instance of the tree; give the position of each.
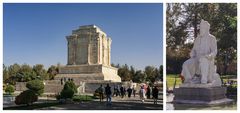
(161, 72)
(182, 28)
(124, 73)
(10, 89)
(25, 73)
(5, 73)
(52, 71)
(12, 72)
(36, 85)
(40, 71)
(151, 73)
(139, 77)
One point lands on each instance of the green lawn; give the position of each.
(171, 80)
(79, 98)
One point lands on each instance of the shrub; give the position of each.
(26, 97)
(10, 89)
(231, 90)
(36, 85)
(68, 90)
(58, 97)
(71, 85)
(67, 93)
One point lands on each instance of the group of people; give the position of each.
(121, 91)
(143, 92)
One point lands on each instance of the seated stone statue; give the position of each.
(200, 68)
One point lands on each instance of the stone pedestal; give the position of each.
(200, 95)
(84, 73)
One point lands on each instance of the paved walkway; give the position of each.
(117, 104)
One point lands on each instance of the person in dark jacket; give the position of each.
(108, 93)
(122, 91)
(155, 95)
(148, 93)
(129, 90)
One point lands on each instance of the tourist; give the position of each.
(114, 90)
(108, 93)
(155, 95)
(122, 91)
(134, 91)
(148, 92)
(129, 90)
(101, 90)
(142, 94)
(118, 90)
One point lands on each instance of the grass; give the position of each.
(31, 107)
(79, 98)
(171, 80)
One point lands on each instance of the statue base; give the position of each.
(202, 95)
(83, 73)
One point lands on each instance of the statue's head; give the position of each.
(204, 27)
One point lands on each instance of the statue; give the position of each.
(202, 85)
(200, 68)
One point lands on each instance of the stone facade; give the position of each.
(89, 57)
(89, 45)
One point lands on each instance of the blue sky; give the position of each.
(35, 33)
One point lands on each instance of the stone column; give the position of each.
(89, 50)
(109, 51)
(70, 40)
(75, 49)
(103, 49)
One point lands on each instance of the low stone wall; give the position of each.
(55, 86)
(49, 87)
(20, 86)
(91, 87)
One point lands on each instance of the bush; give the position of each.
(10, 89)
(26, 97)
(68, 90)
(36, 85)
(231, 91)
(58, 97)
(71, 85)
(67, 93)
